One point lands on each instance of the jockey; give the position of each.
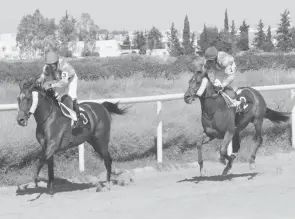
(224, 68)
(64, 80)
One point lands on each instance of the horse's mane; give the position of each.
(30, 84)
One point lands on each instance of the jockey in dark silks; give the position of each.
(64, 81)
(224, 68)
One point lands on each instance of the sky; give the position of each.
(136, 14)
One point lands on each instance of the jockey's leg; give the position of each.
(72, 92)
(232, 94)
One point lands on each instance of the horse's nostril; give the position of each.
(21, 121)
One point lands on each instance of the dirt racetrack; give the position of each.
(267, 192)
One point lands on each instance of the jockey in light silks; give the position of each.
(224, 68)
(64, 81)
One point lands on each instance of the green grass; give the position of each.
(133, 135)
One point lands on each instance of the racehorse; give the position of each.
(221, 122)
(53, 131)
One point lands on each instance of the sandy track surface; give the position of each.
(267, 192)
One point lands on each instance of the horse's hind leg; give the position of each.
(258, 141)
(101, 147)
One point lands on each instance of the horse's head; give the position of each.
(29, 92)
(197, 83)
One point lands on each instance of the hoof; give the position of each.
(252, 166)
(51, 193)
(98, 189)
(222, 160)
(108, 185)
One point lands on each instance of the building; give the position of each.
(8, 46)
(105, 48)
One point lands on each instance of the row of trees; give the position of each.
(36, 34)
(230, 41)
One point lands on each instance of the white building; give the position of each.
(8, 46)
(105, 48)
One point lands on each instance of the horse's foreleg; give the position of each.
(223, 148)
(50, 184)
(50, 150)
(258, 142)
(39, 165)
(204, 140)
(235, 147)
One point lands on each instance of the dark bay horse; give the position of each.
(53, 131)
(221, 122)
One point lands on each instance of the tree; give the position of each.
(233, 30)
(67, 33)
(33, 33)
(127, 42)
(173, 42)
(284, 36)
(118, 32)
(223, 42)
(154, 37)
(293, 36)
(243, 41)
(139, 41)
(260, 38)
(209, 37)
(186, 36)
(104, 34)
(268, 46)
(226, 26)
(88, 32)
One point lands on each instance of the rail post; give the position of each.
(293, 118)
(81, 158)
(159, 133)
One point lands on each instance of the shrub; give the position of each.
(94, 68)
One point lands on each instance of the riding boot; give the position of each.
(76, 109)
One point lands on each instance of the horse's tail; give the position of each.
(277, 117)
(113, 108)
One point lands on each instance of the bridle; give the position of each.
(203, 97)
(43, 97)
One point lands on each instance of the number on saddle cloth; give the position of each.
(72, 114)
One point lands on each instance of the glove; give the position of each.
(47, 86)
(39, 81)
(218, 86)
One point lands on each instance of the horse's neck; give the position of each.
(45, 108)
(209, 104)
(209, 92)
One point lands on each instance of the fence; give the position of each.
(159, 99)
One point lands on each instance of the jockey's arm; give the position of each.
(63, 81)
(230, 71)
(42, 76)
(67, 72)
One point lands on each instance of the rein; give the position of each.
(51, 109)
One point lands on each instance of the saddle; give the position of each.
(72, 114)
(242, 95)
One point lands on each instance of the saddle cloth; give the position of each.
(72, 114)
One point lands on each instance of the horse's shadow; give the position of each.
(219, 178)
(60, 185)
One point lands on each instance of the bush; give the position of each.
(94, 68)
